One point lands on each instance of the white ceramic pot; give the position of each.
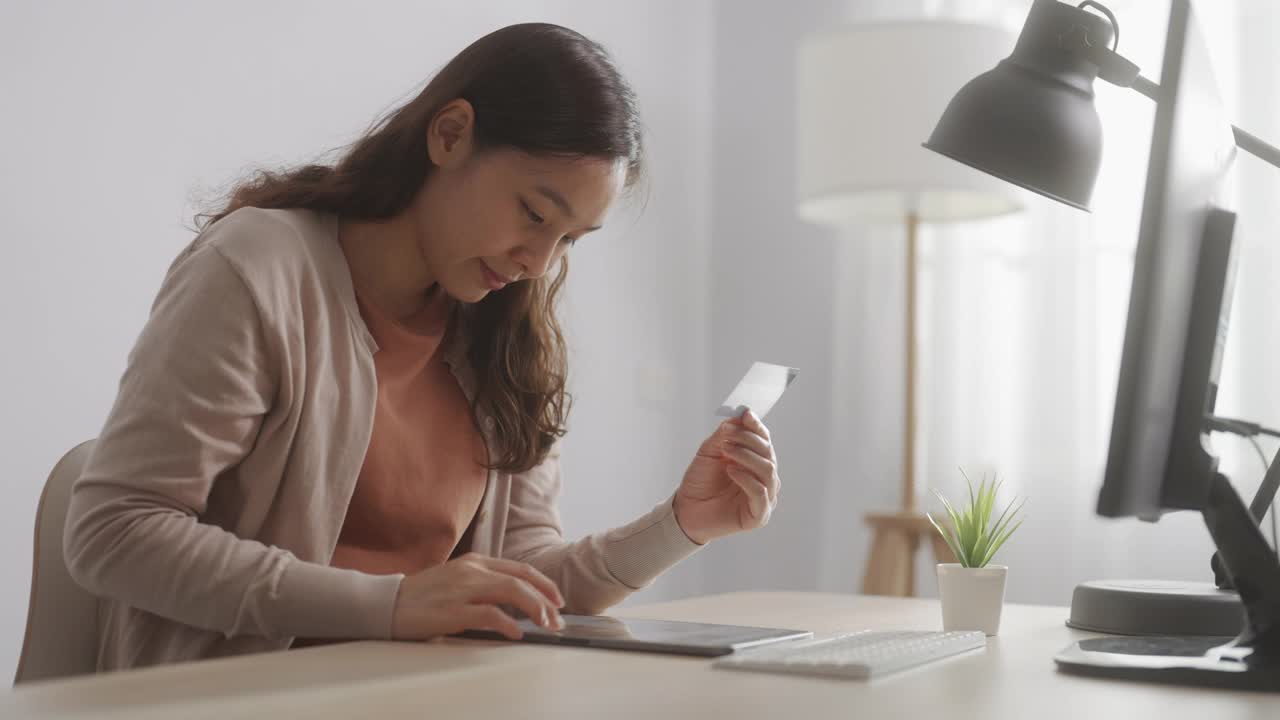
(971, 597)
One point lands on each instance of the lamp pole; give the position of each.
(897, 536)
(909, 443)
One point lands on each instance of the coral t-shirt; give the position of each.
(424, 473)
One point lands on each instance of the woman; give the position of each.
(341, 419)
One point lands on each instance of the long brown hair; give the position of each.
(538, 88)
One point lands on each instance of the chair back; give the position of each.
(62, 617)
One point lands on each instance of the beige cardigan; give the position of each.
(211, 504)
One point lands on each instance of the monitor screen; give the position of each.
(1157, 458)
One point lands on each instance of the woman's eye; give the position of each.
(535, 217)
(571, 240)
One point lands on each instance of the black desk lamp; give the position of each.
(1031, 121)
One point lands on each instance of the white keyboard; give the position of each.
(861, 655)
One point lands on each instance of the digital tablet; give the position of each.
(662, 636)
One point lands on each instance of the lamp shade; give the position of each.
(1031, 120)
(867, 95)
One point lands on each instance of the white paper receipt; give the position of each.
(759, 390)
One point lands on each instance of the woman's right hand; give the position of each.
(464, 594)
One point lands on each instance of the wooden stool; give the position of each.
(891, 563)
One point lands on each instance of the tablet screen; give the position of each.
(654, 635)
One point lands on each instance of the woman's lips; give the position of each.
(496, 281)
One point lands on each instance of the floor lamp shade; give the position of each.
(869, 94)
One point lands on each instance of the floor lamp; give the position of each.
(867, 94)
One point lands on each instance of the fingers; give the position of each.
(762, 468)
(758, 503)
(750, 441)
(503, 589)
(748, 431)
(488, 617)
(753, 464)
(753, 423)
(747, 443)
(758, 469)
(529, 573)
(497, 587)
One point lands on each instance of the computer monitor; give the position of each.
(1159, 459)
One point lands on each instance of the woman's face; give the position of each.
(486, 219)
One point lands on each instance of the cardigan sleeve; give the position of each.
(196, 387)
(597, 571)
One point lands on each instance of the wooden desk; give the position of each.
(1014, 678)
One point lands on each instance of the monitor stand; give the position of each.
(1250, 662)
(1170, 607)
(1156, 607)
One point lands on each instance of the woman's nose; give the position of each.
(535, 257)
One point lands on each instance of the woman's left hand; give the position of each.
(732, 483)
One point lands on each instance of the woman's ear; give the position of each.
(450, 134)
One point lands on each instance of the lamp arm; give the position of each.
(1146, 87)
(1250, 143)
(1119, 71)
(1256, 147)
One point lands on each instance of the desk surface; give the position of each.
(1014, 678)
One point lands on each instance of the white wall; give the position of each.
(115, 116)
(773, 285)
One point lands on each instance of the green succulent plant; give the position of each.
(972, 537)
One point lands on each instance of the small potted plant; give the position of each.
(972, 590)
